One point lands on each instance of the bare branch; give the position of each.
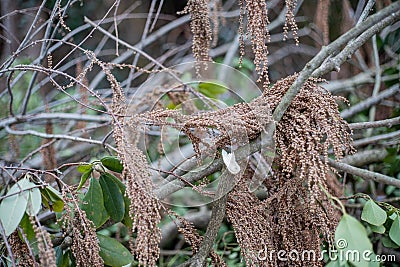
(365, 174)
(53, 116)
(369, 102)
(375, 124)
(377, 138)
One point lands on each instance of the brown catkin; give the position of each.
(21, 252)
(47, 255)
(85, 245)
(200, 26)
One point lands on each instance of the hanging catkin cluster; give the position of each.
(200, 25)
(144, 208)
(85, 245)
(257, 30)
(297, 212)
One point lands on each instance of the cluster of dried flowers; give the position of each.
(85, 245)
(20, 250)
(256, 30)
(297, 213)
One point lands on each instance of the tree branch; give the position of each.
(365, 174)
(369, 102)
(375, 124)
(53, 116)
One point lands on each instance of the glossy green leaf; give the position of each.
(52, 199)
(113, 198)
(84, 167)
(84, 178)
(350, 235)
(93, 204)
(13, 206)
(378, 229)
(112, 163)
(34, 203)
(113, 253)
(394, 232)
(127, 219)
(373, 214)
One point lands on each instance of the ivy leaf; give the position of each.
(113, 253)
(350, 236)
(394, 232)
(34, 203)
(84, 167)
(112, 163)
(84, 178)
(373, 214)
(13, 206)
(113, 199)
(93, 204)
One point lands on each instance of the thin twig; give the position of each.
(57, 136)
(9, 250)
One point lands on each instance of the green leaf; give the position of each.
(13, 206)
(378, 229)
(62, 259)
(394, 232)
(373, 214)
(350, 235)
(84, 167)
(335, 263)
(113, 253)
(113, 199)
(211, 89)
(387, 242)
(93, 204)
(84, 178)
(27, 228)
(34, 203)
(127, 219)
(112, 163)
(52, 199)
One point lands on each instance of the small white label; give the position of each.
(230, 162)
